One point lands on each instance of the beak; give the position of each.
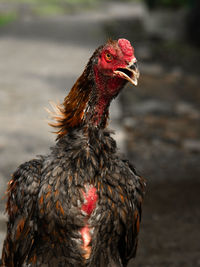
(130, 73)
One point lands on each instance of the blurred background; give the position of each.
(44, 46)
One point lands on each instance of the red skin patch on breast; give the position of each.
(90, 199)
(85, 233)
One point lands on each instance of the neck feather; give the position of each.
(70, 114)
(87, 103)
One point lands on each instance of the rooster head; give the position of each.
(115, 64)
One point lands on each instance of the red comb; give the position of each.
(126, 47)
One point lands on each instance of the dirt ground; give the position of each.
(157, 123)
(163, 142)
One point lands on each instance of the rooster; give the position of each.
(81, 204)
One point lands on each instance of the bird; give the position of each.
(80, 204)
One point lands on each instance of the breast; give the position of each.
(67, 206)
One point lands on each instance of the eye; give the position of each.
(108, 57)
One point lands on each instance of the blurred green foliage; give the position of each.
(53, 2)
(7, 18)
(51, 7)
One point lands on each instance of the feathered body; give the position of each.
(81, 204)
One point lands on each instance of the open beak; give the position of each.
(130, 73)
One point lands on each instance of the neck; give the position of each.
(106, 88)
(87, 103)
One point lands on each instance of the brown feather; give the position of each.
(70, 113)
